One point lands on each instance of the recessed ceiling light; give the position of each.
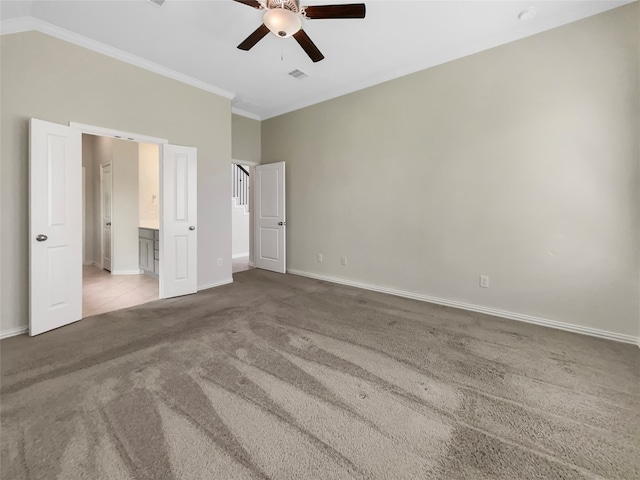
(528, 14)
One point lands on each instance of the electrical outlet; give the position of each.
(484, 281)
(219, 262)
(343, 261)
(320, 257)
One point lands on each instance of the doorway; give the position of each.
(121, 224)
(56, 221)
(241, 217)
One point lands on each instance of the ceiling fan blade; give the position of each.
(254, 38)
(308, 46)
(353, 10)
(251, 3)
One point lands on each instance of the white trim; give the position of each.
(122, 135)
(244, 113)
(569, 327)
(215, 284)
(584, 10)
(127, 272)
(252, 264)
(12, 332)
(25, 24)
(245, 163)
(240, 255)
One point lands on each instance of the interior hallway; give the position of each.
(240, 264)
(103, 292)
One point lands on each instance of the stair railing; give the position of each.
(240, 185)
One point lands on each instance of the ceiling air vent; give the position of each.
(299, 74)
(157, 3)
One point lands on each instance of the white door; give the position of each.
(106, 187)
(55, 226)
(270, 218)
(178, 234)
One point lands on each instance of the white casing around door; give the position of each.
(55, 217)
(270, 218)
(178, 217)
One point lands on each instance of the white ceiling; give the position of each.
(195, 41)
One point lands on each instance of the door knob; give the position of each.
(108, 224)
(192, 227)
(41, 238)
(282, 223)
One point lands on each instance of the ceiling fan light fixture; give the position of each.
(281, 22)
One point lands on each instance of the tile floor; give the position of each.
(103, 292)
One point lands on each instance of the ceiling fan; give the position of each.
(284, 18)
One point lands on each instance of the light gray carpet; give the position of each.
(283, 377)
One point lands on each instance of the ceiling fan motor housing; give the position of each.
(291, 5)
(284, 18)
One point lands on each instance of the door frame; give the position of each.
(129, 136)
(119, 134)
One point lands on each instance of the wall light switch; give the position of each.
(320, 257)
(343, 260)
(484, 281)
(219, 262)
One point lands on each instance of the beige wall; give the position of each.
(50, 79)
(246, 138)
(89, 218)
(125, 221)
(520, 163)
(149, 184)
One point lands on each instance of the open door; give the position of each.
(178, 235)
(270, 218)
(55, 226)
(106, 187)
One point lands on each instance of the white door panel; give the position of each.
(270, 217)
(55, 226)
(178, 235)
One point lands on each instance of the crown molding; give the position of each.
(244, 113)
(587, 9)
(26, 24)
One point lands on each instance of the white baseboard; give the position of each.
(240, 255)
(252, 264)
(126, 272)
(216, 284)
(12, 332)
(570, 327)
